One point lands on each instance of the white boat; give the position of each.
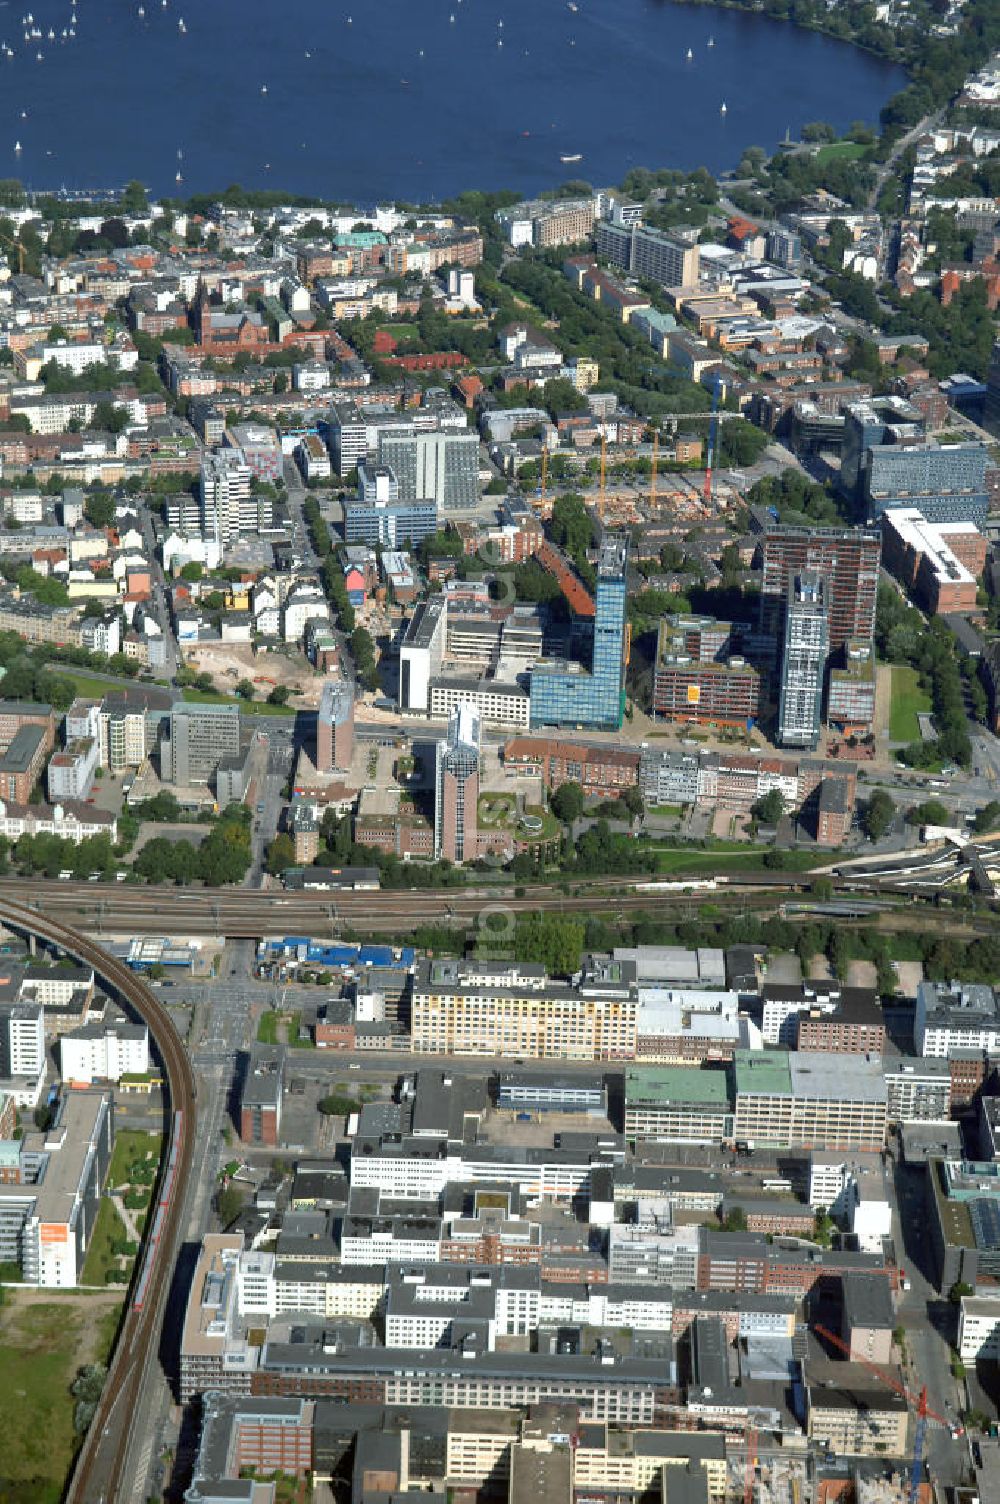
(571, 156)
(711, 41)
(690, 54)
(17, 146)
(52, 35)
(572, 5)
(178, 178)
(723, 110)
(263, 88)
(181, 27)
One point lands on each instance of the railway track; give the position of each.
(240, 914)
(97, 1474)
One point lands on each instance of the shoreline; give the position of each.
(84, 197)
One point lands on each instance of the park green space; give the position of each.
(840, 151)
(908, 701)
(249, 707)
(42, 1344)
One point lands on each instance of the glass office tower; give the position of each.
(564, 693)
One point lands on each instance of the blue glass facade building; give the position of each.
(565, 693)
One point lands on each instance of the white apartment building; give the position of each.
(104, 1051)
(499, 702)
(305, 603)
(956, 1016)
(22, 1039)
(979, 1329)
(387, 1245)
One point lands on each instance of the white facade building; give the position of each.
(104, 1051)
(979, 1329)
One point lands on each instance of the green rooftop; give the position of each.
(762, 1073)
(667, 1084)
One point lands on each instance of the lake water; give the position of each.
(361, 101)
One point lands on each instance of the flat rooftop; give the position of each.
(674, 1085)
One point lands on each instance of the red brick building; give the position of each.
(599, 770)
(854, 1027)
(261, 1092)
(718, 694)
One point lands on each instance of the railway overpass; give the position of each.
(97, 1474)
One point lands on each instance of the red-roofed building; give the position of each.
(468, 388)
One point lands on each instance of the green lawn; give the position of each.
(41, 1347)
(108, 1228)
(88, 686)
(680, 863)
(267, 1029)
(908, 699)
(249, 707)
(132, 1144)
(840, 151)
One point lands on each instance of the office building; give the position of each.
(422, 652)
(803, 661)
(228, 505)
(260, 1096)
(946, 483)
(850, 701)
(248, 1436)
(846, 559)
(566, 693)
(456, 788)
(888, 461)
(919, 1090)
(511, 1009)
(442, 467)
(815, 1100)
(260, 449)
(653, 254)
(127, 730)
(48, 1216)
(868, 1318)
(678, 1104)
(379, 516)
(849, 1022)
(21, 764)
(347, 437)
(927, 559)
(547, 222)
(198, 739)
(850, 1414)
(703, 692)
(335, 727)
(956, 1016)
(872, 422)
